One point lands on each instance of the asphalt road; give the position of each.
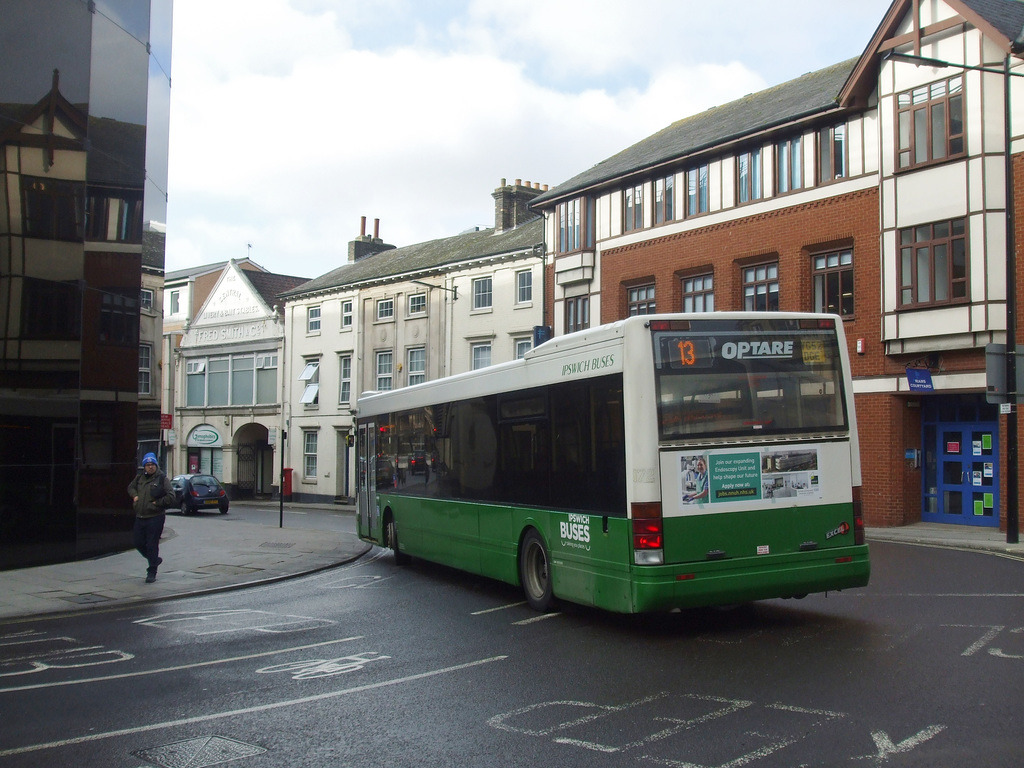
(371, 664)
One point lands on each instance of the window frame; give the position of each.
(346, 314)
(146, 369)
(829, 271)
(789, 165)
(383, 376)
(640, 300)
(664, 199)
(905, 126)
(313, 314)
(575, 219)
(697, 289)
(476, 350)
(576, 313)
(421, 301)
(480, 294)
(311, 376)
(751, 279)
(697, 194)
(345, 378)
(906, 239)
(749, 184)
(633, 208)
(385, 310)
(310, 440)
(828, 140)
(524, 286)
(521, 346)
(416, 369)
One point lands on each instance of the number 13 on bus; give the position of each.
(659, 462)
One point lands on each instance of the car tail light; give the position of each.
(195, 492)
(858, 516)
(648, 534)
(221, 493)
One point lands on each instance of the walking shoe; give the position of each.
(150, 578)
(159, 560)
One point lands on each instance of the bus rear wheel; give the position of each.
(535, 572)
(391, 538)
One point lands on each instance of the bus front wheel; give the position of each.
(391, 537)
(535, 572)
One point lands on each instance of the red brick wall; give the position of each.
(887, 426)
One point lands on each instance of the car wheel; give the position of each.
(391, 537)
(224, 511)
(535, 572)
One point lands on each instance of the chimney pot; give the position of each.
(519, 182)
(362, 226)
(376, 229)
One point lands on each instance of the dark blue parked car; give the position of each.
(193, 493)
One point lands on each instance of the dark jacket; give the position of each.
(147, 505)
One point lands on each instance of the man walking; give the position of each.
(151, 495)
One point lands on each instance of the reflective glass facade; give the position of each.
(84, 104)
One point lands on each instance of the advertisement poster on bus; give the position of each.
(761, 474)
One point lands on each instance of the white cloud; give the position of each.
(292, 120)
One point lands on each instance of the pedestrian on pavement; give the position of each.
(151, 495)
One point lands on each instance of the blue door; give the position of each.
(961, 472)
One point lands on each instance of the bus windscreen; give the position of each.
(722, 378)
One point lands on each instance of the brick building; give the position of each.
(875, 189)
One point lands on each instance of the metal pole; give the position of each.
(1012, 481)
(284, 436)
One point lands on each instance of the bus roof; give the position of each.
(538, 366)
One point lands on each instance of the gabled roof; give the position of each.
(1001, 21)
(18, 117)
(425, 258)
(205, 269)
(811, 94)
(269, 286)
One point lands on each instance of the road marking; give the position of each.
(247, 710)
(310, 669)
(535, 619)
(178, 668)
(886, 748)
(499, 608)
(214, 622)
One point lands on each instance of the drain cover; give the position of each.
(198, 753)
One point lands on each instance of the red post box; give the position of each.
(286, 484)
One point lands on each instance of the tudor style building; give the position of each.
(876, 189)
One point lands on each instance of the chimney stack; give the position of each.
(512, 204)
(364, 246)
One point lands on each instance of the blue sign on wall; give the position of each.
(920, 380)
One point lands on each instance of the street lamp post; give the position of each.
(1012, 481)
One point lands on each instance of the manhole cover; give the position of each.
(198, 753)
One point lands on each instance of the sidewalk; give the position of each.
(210, 553)
(202, 553)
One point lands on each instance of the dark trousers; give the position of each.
(147, 539)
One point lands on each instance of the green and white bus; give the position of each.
(658, 462)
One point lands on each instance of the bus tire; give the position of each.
(535, 572)
(391, 538)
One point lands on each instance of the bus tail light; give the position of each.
(648, 534)
(858, 517)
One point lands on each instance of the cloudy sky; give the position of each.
(293, 119)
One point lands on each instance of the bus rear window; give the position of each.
(722, 378)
